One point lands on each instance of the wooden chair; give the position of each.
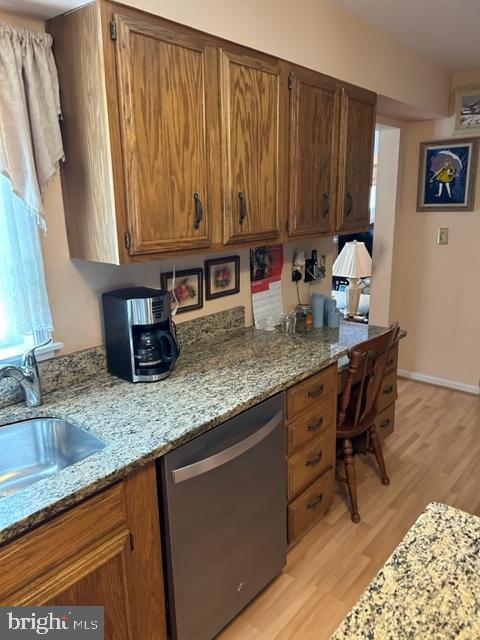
(357, 408)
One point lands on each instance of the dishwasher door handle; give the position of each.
(221, 458)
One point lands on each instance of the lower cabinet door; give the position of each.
(106, 585)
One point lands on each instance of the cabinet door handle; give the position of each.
(390, 362)
(326, 209)
(385, 423)
(316, 425)
(314, 503)
(313, 461)
(349, 203)
(388, 390)
(243, 206)
(198, 210)
(317, 392)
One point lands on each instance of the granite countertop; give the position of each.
(141, 422)
(429, 588)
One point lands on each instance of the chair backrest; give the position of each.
(364, 377)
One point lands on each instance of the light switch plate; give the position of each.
(442, 236)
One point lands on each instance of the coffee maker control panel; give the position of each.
(148, 310)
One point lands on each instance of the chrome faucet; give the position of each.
(27, 375)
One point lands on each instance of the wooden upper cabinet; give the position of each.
(167, 87)
(313, 139)
(357, 132)
(253, 116)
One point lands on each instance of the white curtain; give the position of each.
(24, 306)
(30, 150)
(30, 138)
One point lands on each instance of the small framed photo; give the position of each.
(467, 111)
(222, 277)
(186, 291)
(447, 174)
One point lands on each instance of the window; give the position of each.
(25, 317)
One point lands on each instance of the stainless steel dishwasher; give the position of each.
(224, 518)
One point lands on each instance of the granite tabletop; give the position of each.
(429, 588)
(140, 422)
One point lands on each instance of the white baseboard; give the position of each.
(441, 382)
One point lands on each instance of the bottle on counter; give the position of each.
(330, 305)
(318, 306)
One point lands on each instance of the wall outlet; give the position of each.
(442, 237)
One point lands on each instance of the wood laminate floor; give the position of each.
(432, 456)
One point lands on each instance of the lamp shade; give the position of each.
(353, 261)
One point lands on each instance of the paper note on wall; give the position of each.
(266, 265)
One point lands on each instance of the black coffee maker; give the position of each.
(139, 334)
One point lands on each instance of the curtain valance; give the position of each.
(30, 139)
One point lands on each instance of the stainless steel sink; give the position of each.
(35, 449)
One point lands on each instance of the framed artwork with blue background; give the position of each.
(447, 173)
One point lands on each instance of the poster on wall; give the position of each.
(266, 264)
(447, 175)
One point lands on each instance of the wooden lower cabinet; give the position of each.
(311, 424)
(105, 551)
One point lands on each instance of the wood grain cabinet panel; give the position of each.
(306, 394)
(310, 505)
(167, 95)
(313, 138)
(105, 551)
(357, 131)
(253, 101)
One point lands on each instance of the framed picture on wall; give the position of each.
(467, 110)
(222, 277)
(447, 173)
(186, 289)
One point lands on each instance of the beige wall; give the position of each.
(75, 286)
(321, 35)
(435, 294)
(317, 34)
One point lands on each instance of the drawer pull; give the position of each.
(314, 461)
(390, 362)
(385, 423)
(316, 425)
(314, 503)
(388, 390)
(317, 392)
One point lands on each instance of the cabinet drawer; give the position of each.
(55, 543)
(392, 361)
(388, 392)
(314, 423)
(305, 466)
(310, 505)
(385, 422)
(304, 395)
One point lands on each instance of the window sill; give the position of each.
(48, 351)
(42, 353)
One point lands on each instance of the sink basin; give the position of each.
(35, 449)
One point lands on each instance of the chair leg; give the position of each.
(350, 476)
(377, 450)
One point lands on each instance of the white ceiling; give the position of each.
(447, 31)
(41, 8)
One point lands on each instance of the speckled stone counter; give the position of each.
(212, 381)
(429, 588)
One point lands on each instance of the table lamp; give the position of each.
(353, 262)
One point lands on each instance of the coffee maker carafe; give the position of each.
(139, 334)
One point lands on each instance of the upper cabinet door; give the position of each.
(357, 132)
(253, 113)
(169, 117)
(314, 114)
